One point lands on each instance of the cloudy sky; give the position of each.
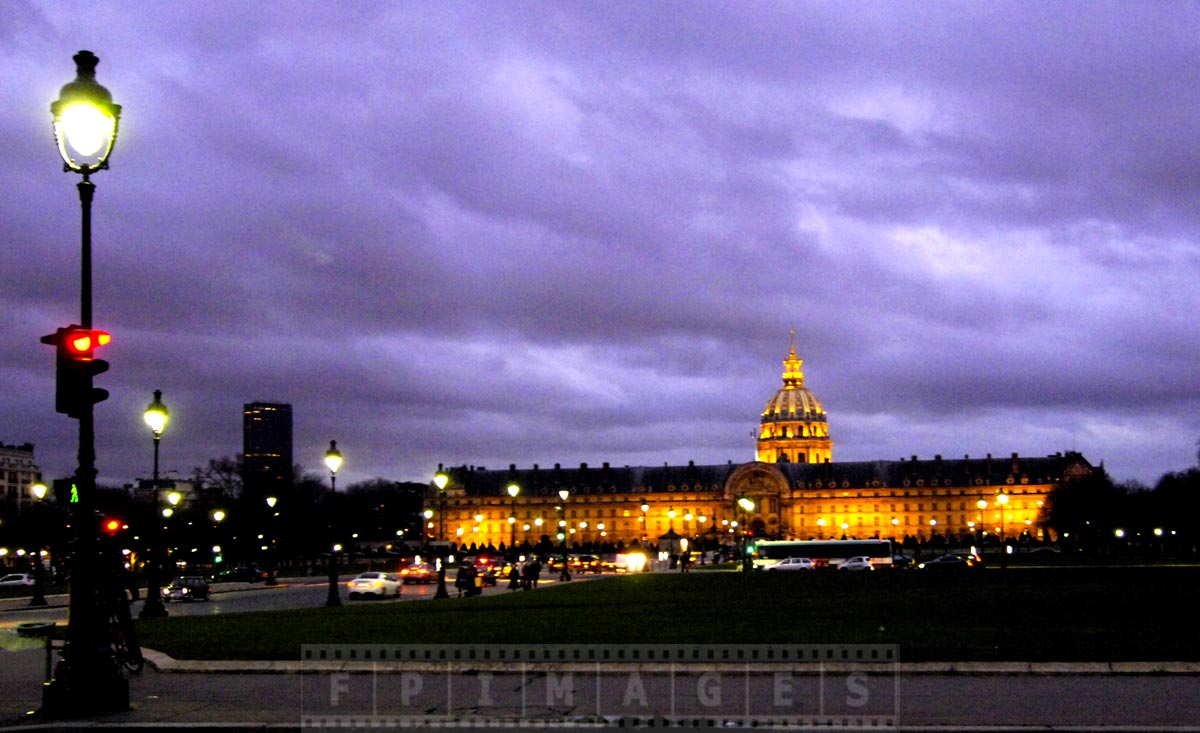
(502, 232)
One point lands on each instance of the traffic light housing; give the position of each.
(75, 348)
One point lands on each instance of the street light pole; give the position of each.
(566, 572)
(156, 418)
(39, 573)
(87, 679)
(333, 461)
(271, 580)
(513, 490)
(440, 480)
(1002, 500)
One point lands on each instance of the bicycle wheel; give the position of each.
(126, 650)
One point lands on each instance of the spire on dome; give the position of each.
(793, 378)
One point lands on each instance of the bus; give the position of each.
(823, 553)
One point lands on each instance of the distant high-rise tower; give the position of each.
(266, 447)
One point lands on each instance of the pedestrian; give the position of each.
(536, 571)
(514, 577)
(464, 579)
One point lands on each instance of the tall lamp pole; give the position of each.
(440, 480)
(156, 419)
(747, 506)
(333, 461)
(271, 501)
(87, 679)
(39, 573)
(566, 572)
(1002, 500)
(513, 490)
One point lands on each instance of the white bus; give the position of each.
(823, 553)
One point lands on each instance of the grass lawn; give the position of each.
(1025, 614)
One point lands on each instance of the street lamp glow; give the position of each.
(563, 494)
(156, 414)
(174, 497)
(271, 502)
(39, 492)
(85, 119)
(513, 490)
(440, 480)
(218, 516)
(333, 458)
(746, 504)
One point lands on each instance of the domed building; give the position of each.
(794, 427)
(793, 490)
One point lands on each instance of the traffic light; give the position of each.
(76, 365)
(111, 526)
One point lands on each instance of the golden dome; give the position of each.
(793, 401)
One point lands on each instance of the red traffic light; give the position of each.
(111, 526)
(81, 342)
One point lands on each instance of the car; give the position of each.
(584, 564)
(418, 572)
(240, 574)
(372, 584)
(901, 561)
(860, 562)
(792, 563)
(952, 562)
(17, 579)
(186, 588)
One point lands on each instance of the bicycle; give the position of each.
(122, 636)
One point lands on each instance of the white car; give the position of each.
(862, 562)
(792, 563)
(375, 585)
(17, 579)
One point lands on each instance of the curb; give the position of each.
(165, 664)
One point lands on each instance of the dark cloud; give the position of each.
(516, 233)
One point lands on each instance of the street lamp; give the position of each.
(86, 680)
(156, 418)
(513, 490)
(982, 504)
(566, 573)
(333, 461)
(747, 506)
(39, 576)
(1002, 500)
(271, 501)
(645, 508)
(440, 480)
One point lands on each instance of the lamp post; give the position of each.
(440, 480)
(86, 679)
(566, 572)
(1002, 500)
(39, 573)
(513, 490)
(271, 501)
(982, 504)
(333, 461)
(747, 506)
(156, 418)
(645, 508)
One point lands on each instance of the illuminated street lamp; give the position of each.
(440, 480)
(271, 502)
(747, 506)
(86, 681)
(333, 461)
(39, 573)
(566, 573)
(1002, 500)
(513, 490)
(645, 508)
(156, 418)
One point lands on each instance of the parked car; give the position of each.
(240, 574)
(374, 585)
(418, 572)
(952, 562)
(792, 563)
(17, 579)
(186, 588)
(861, 562)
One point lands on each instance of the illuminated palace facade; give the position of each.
(794, 490)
